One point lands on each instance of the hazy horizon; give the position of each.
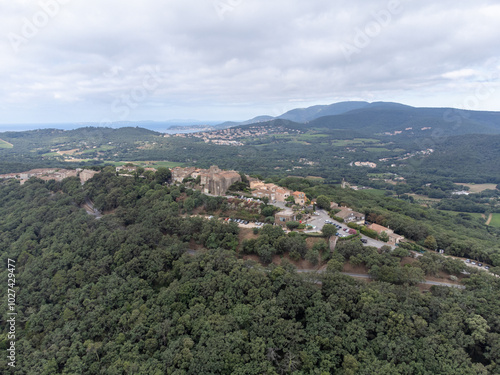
(155, 125)
(69, 61)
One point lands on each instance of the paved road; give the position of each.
(444, 284)
(91, 210)
(364, 276)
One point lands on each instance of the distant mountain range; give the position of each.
(304, 115)
(364, 118)
(384, 118)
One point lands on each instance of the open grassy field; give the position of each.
(102, 148)
(166, 164)
(310, 137)
(51, 154)
(354, 142)
(375, 192)
(476, 215)
(4, 144)
(479, 187)
(424, 198)
(495, 222)
(377, 149)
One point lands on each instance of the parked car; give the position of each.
(474, 263)
(467, 260)
(480, 264)
(364, 240)
(487, 267)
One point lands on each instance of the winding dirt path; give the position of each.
(489, 219)
(10, 144)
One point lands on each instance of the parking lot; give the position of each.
(322, 218)
(317, 221)
(246, 224)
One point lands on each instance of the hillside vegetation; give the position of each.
(121, 296)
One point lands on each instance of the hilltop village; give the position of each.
(217, 182)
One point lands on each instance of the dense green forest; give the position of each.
(123, 295)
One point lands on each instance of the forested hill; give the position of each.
(91, 135)
(36, 148)
(466, 158)
(121, 296)
(424, 122)
(379, 117)
(314, 112)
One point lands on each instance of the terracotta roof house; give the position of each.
(282, 194)
(393, 237)
(261, 193)
(274, 192)
(300, 198)
(256, 184)
(351, 216)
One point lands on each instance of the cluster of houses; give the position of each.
(348, 215)
(407, 129)
(365, 164)
(48, 174)
(217, 181)
(275, 193)
(213, 180)
(232, 136)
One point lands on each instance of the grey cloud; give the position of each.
(254, 57)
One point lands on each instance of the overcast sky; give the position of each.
(121, 60)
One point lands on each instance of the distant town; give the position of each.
(232, 136)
